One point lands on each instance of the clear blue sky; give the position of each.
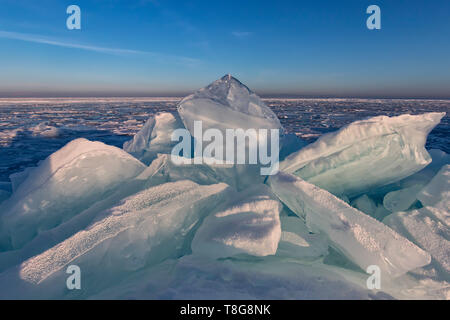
(157, 47)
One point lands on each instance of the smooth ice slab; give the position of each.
(403, 194)
(438, 189)
(154, 137)
(365, 154)
(249, 224)
(361, 238)
(365, 204)
(226, 104)
(297, 242)
(424, 176)
(64, 184)
(402, 199)
(145, 228)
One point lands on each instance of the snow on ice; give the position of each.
(140, 225)
(68, 181)
(383, 150)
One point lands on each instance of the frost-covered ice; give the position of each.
(429, 226)
(250, 224)
(140, 225)
(68, 181)
(145, 228)
(365, 154)
(360, 237)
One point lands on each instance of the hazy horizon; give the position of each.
(180, 95)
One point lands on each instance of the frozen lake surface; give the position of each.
(32, 129)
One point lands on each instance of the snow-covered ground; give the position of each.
(366, 186)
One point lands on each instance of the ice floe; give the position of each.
(365, 154)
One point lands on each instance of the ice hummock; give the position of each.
(224, 106)
(361, 238)
(143, 229)
(169, 230)
(429, 226)
(67, 182)
(227, 104)
(403, 195)
(365, 154)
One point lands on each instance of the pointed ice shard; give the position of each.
(236, 122)
(227, 104)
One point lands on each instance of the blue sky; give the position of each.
(156, 47)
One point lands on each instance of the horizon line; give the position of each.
(181, 96)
